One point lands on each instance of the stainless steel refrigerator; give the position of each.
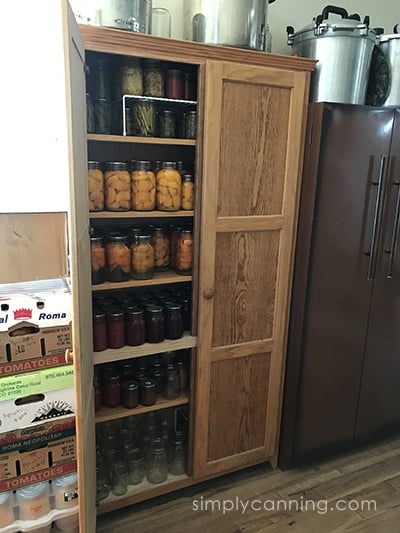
(343, 366)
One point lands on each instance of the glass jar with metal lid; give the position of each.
(111, 389)
(115, 328)
(96, 186)
(144, 119)
(160, 243)
(134, 327)
(166, 123)
(173, 320)
(130, 79)
(187, 192)
(153, 78)
(117, 187)
(143, 184)
(169, 187)
(118, 257)
(142, 253)
(184, 252)
(190, 125)
(154, 317)
(98, 259)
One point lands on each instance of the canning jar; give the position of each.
(111, 390)
(184, 252)
(174, 84)
(102, 486)
(130, 394)
(119, 483)
(34, 501)
(183, 374)
(190, 125)
(177, 455)
(169, 187)
(98, 259)
(172, 383)
(100, 75)
(143, 184)
(173, 321)
(160, 242)
(99, 331)
(117, 187)
(153, 78)
(136, 467)
(102, 113)
(173, 240)
(118, 258)
(116, 329)
(187, 192)
(65, 491)
(158, 375)
(166, 123)
(6, 509)
(96, 186)
(181, 125)
(189, 87)
(154, 317)
(130, 79)
(147, 391)
(144, 119)
(158, 467)
(142, 253)
(126, 368)
(186, 312)
(134, 327)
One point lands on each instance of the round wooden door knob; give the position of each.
(208, 294)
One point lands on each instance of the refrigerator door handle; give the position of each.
(376, 222)
(395, 232)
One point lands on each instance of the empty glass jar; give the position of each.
(158, 465)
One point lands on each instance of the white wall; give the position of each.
(299, 13)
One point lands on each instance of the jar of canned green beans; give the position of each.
(144, 119)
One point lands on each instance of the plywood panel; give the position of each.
(245, 281)
(238, 405)
(254, 120)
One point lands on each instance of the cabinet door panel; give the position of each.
(245, 280)
(253, 135)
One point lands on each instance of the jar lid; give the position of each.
(117, 238)
(179, 165)
(154, 309)
(175, 72)
(65, 481)
(187, 177)
(142, 165)
(134, 311)
(157, 446)
(143, 238)
(32, 491)
(186, 230)
(115, 314)
(131, 385)
(191, 113)
(141, 375)
(169, 164)
(167, 112)
(95, 165)
(116, 165)
(130, 164)
(98, 315)
(173, 306)
(148, 384)
(156, 371)
(96, 239)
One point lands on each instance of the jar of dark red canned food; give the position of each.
(116, 328)
(111, 389)
(154, 317)
(173, 321)
(99, 331)
(134, 327)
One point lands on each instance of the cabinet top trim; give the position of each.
(112, 41)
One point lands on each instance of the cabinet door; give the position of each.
(379, 403)
(252, 152)
(80, 275)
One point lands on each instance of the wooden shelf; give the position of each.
(107, 413)
(140, 214)
(142, 140)
(142, 492)
(132, 352)
(160, 278)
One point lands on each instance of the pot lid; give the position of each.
(323, 26)
(390, 36)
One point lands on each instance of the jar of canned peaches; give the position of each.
(98, 259)
(160, 243)
(184, 252)
(169, 187)
(118, 257)
(142, 254)
(117, 187)
(143, 187)
(96, 186)
(187, 192)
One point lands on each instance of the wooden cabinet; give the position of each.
(251, 109)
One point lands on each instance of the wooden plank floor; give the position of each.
(371, 473)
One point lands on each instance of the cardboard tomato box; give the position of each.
(36, 397)
(35, 325)
(37, 453)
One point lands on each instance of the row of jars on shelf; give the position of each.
(126, 456)
(138, 321)
(34, 502)
(140, 186)
(142, 118)
(131, 76)
(118, 256)
(130, 384)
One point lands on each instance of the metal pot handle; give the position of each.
(396, 28)
(335, 10)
